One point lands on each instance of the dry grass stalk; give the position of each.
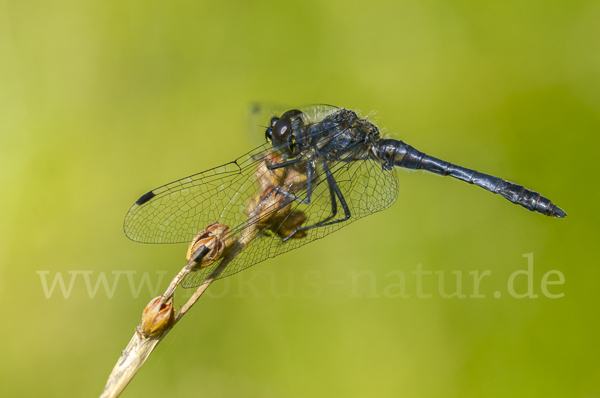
(269, 209)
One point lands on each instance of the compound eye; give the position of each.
(281, 131)
(274, 120)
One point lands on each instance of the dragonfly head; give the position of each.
(281, 131)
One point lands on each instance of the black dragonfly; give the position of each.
(322, 168)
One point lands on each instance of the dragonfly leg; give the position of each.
(334, 191)
(310, 169)
(284, 164)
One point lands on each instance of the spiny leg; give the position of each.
(334, 191)
(310, 168)
(284, 164)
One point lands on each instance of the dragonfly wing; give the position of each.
(366, 187)
(176, 212)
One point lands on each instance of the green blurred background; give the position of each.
(101, 101)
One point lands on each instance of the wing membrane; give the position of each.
(366, 187)
(176, 212)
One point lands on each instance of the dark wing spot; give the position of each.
(145, 198)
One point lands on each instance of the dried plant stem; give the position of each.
(267, 210)
(210, 279)
(141, 344)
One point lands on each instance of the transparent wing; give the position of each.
(260, 114)
(176, 212)
(366, 187)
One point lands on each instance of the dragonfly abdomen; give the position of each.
(399, 154)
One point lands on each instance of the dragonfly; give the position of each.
(320, 169)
